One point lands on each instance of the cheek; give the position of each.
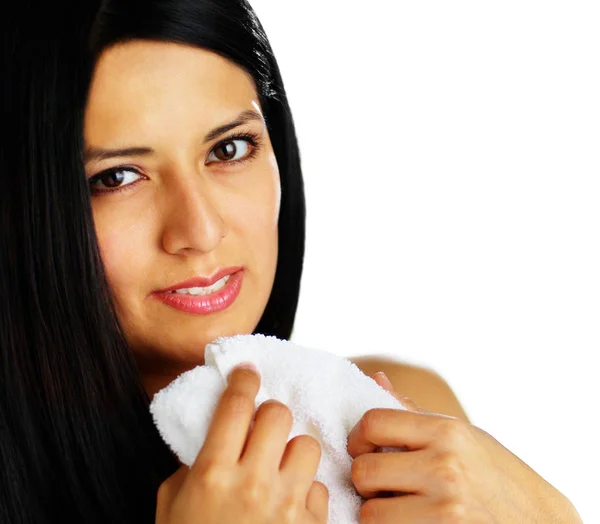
(122, 251)
(262, 214)
(255, 216)
(270, 222)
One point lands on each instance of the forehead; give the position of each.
(145, 85)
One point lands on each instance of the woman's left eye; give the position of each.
(114, 179)
(235, 149)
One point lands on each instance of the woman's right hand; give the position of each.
(244, 474)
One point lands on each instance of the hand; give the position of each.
(247, 474)
(452, 471)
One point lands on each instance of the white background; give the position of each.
(451, 157)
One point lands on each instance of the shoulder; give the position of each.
(423, 386)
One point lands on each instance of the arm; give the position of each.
(423, 386)
(526, 496)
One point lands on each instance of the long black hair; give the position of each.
(77, 442)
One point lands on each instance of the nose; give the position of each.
(192, 219)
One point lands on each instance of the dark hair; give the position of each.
(77, 441)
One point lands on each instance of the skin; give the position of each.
(188, 212)
(451, 471)
(257, 478)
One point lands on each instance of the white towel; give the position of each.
(326, 394)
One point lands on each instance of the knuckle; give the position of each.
(450, 430)
(448, 472)
(239, 402)
(453, 512)
(207, 475)
(364, 468)
(289, 509)
(163, 492)
(255, 492)
(370, 421)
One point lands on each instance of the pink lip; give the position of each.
(203, 305)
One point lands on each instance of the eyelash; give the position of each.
(252, 138)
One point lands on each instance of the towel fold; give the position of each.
(326, 394)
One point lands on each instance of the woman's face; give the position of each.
(177, 198)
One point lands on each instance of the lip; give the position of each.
(202, 281)
(204, 305)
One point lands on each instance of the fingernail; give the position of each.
(386, 381)
(243, 365)
(247, 365)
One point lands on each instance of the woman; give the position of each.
(154, 159)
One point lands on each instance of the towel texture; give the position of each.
(326, 394)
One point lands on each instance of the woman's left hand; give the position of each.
(451, 471)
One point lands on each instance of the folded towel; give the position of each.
(326, 394)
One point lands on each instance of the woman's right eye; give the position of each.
(114, 179)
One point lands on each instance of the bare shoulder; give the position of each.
(424, 386)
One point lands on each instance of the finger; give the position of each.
(317, 502)
(412, 472)
(268, 438)
(383, 427)
(409, 404)
(382, 380)
(408, 509)
(229, 427)
(300, 461)
(418, 509)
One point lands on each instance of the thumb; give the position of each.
(382, 380)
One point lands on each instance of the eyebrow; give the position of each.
(98, 153)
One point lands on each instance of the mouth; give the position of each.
(204, 300)
(203, 285)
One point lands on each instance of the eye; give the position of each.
(235, 149)
(114, 179)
